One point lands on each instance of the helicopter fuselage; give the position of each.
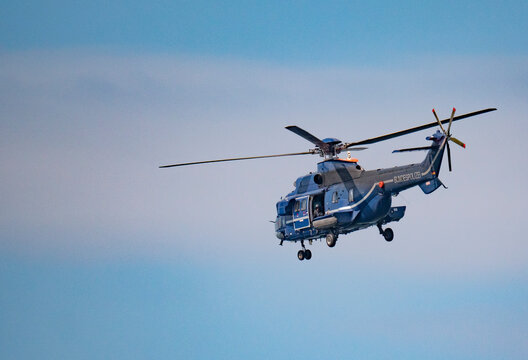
(342, 197)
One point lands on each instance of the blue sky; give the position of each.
(287, 31)
(103, 255)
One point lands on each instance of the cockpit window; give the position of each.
(296, 208)
(303, 205)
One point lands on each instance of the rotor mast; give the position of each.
(328, 148)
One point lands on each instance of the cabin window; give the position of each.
(334, 197)
(351, 195)
(303, 204)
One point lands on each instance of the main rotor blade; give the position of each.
(414, 129)
(449, 155)
(305, 134)
(450, 121)
(236, 159)
(438, 120)
(359, 148)
(458, 142)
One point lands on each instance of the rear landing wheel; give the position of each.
(301, 255)
(307, 254)
(331, 240)
(388, 234)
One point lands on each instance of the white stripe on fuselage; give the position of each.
(350, 207)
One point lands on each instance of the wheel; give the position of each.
(307, 254)
(300, 255)
(388, 234)
(331, 240)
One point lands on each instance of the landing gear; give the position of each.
(387, 234)
(300, 255)
(304, 253)
(331, 239)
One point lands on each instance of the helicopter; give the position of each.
(342, 197)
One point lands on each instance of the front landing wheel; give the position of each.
(307, 254)
(388, 234)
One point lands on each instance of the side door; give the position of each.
(301, 216)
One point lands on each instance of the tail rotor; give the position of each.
(449, 136)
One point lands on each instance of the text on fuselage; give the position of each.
(407, 177)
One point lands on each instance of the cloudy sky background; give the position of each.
(102, 254)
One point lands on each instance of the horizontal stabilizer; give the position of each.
(431, 185)
(413, 149)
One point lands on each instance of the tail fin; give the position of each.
(432, 163)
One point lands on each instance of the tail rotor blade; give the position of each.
(449, 157)
(450, 121)
(438, 120)
(458, 142)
